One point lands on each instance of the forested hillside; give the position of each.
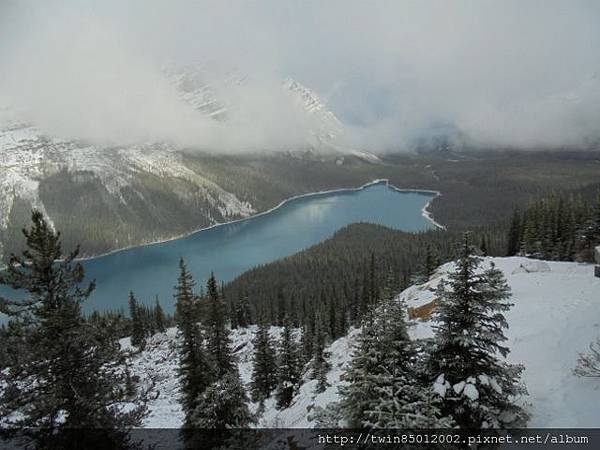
(335, 282)
(184, 192)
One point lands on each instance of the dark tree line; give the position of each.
(142, 321)
(557, 227)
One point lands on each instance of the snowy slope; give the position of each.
(556, 315)
(157, 368)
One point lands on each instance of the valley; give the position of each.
(107, 200)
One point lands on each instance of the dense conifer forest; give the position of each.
(332, 284)
(558, 227)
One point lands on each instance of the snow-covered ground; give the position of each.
(556, 315)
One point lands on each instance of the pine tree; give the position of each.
(138, 333)
(320, 364)
(243, 311)
(591, 229)
(354, 307)
(307, 340)
(223, 405)
(264, 378)
(195, 372)
(332, 313)
(388, 291)
(514, 233)
(373, 281)
(360, 394)
(293, 312)
(281, 307)
(218, 341)
(289, 370)
(365, 297)
(78, 379)
(483, 246)
(232, 309)
(159, 317)
(429, 263)
(469, 337)
(404, 399)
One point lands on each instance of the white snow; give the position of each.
(458, 387)
(471, 391)
(532, 266)
(556, 315)
(440, 386)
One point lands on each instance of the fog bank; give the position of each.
(495, 73)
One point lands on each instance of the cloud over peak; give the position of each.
(504, 73)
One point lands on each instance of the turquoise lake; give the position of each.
(230, 249)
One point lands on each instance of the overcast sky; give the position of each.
(519, 73)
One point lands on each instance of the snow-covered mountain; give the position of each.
(145, 192)
(222, 95)
(556, 315)
(38, 171)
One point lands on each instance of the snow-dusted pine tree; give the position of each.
(264, 379)
(401, 399)
(289, 368)
(403, 402)
(218, 341)
(195, 371)
(71, 376)
(223, 405)
(361, 393)
(478, 387)
(138, 333)
(320, 364)
(159, 317)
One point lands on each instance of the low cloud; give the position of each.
(500, 73)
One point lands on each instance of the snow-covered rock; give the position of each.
(531, 266)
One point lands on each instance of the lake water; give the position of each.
(233, 248)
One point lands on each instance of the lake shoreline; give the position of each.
(424, 212)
